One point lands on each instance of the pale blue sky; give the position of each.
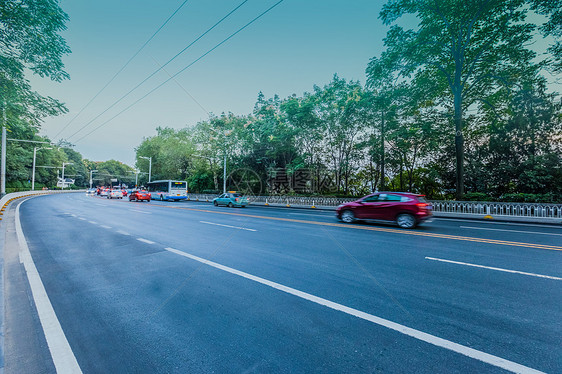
(298, 44)
(291, 48)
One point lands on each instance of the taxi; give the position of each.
(231, 199)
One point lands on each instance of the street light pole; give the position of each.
(149, 166)
(3, 159)
(91, 172)
(63, 165)
(224, 174)
(33, 169)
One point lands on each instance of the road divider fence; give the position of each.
(489, 209)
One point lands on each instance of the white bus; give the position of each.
(167, 190)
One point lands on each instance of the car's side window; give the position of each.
(393, 198)
(371, 199)
(382, 197)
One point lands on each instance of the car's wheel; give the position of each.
(148, 200)
(406, 221)
(161, 197)
(215, 203)
(230, 205)
(347, 216)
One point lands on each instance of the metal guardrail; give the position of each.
(538, 210)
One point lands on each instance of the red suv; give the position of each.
(406, 209)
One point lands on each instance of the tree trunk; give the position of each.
(382, 152)
(459, 144)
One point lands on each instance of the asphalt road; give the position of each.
(187, 287)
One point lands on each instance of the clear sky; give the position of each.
(296, 45)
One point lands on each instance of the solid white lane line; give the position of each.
(145, 241)
(525, 232)
(93, 222)
(493, 268)
(61, 353)
(105, 226)
(428, 338)
(82, 219)
(232, 227)
(123, 232)
(139, 211)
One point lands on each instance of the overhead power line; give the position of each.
(160, 68)
(182, 70)
(123, 67)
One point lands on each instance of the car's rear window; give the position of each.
(422, 199)
(236, 195)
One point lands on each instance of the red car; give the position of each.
(139, 195)
(406, 209)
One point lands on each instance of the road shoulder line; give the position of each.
(61, 353)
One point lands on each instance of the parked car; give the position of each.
(405, 209)
(231, 199)
(139, 195)
(115, 194)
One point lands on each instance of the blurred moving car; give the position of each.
(139, 195)
(91, 192)
(231, 199)
(104, 191)
(125, 192)
(406, 209)
(115, 194)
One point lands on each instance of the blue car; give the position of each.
(231, 199)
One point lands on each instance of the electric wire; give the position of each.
(182, 70)
(122, 68)
(160, 68)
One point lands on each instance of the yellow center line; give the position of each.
(379, 229)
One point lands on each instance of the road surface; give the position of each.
(187, 287)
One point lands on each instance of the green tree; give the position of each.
(29, 42)
(345, 109)
(113, 169)
(553, 27)
(465, 48)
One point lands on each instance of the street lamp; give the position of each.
(91, 172)
(136, 172)
(33, 172)
(149, 166)
(63, 165)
